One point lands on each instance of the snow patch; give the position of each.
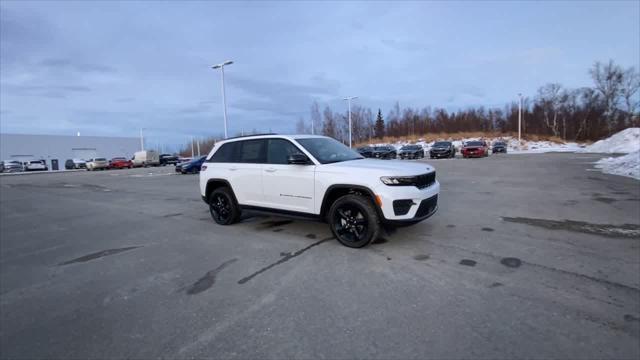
(623, 142)
(626, 165)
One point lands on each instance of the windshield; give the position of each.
(474, 143)
(442, 144)
(499, 144)
(381, 148)
(118, 159)
(101, 159)
(410, 147)
(327, 150)
(35, 162)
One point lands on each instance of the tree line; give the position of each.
(588, 113)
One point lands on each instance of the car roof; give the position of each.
(270, 136)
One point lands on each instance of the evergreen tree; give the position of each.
(379, 127)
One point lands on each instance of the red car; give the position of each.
(120, 163)
(478, 148)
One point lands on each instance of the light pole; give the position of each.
(349, 102)
(192, 153)
(224, 100)
(519, 121)
(141, 140)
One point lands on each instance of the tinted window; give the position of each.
(327, 150)
(279, 151)
(442, 143)
(253, 151)
(227, 153)
(475, 143)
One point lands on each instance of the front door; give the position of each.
(285, 186)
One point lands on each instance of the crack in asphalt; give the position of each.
(617, 231)
(285, 257)
(98, 255)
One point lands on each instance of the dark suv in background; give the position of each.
(168, 159)
(411, 152)
(442, 149)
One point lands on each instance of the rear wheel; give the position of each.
(354, 221)
(223, 207)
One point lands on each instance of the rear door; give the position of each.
(287, 187)
(245, 174)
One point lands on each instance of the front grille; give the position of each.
(401, 207)
(427, 206)
(424, 180)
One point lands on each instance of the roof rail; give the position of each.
(244, 136)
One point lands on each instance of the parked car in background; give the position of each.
(499, 147)
(146, 158)
(442, 149)
(1, 166)
(35, 165)
(366, 151)
(384, 152)
(411, 152)
(97, 164)
(79, 164)
(475, 149)
(191, 167)
(12, 166)
(168, 159)
(120, 163)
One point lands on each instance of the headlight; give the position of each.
(397, 180)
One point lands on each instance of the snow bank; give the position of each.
(623, 142)
(627, 165)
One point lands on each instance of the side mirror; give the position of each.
(298, 159)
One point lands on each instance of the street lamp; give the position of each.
(141, 140)
(519, 121)
(348, 99)
(224, 100)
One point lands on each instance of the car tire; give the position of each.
(354, 231)
(223, 206)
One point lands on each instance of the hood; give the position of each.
(440, 148)
(383, 168)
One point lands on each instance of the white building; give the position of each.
(24, 147)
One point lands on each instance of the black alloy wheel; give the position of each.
(222, 207)
(354, 221)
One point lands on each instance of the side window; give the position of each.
(227, 153)
(279, 151)
(253, 151)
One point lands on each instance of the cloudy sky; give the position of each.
(109, 68)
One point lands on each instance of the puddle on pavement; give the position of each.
(421, 257)
(275, 223)
(467, 262)
(617, 231)
(208, 279)
(511, 262)
(487, 229)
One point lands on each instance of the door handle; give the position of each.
(270, 169)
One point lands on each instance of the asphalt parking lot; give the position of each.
(529, 256)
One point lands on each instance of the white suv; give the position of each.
(318, 177)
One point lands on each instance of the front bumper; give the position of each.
(440, 154)
(415, 214)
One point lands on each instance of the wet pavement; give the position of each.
(528, 256)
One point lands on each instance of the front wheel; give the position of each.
(354, 221)
(223, 207)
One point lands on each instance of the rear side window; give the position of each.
(280, 150)
(253, 151)
(226, 154)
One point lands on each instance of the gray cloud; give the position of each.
(50, 91)
(57, 64)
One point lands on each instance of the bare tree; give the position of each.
(549, 100)
(630, 86)
(329, 124)
(608, 81)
